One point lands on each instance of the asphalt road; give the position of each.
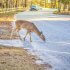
(56, 28)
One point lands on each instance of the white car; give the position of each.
(35, 8)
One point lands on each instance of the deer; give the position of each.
(30, 27)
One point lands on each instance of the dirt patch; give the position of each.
(17, 59)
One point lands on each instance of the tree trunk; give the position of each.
(69, 6)
(45, 3)
(25, 3)
(55, 4)
(59, 6)
(64, 7)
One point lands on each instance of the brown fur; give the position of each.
(30, 27)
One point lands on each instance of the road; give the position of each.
(56, 28)
(40, 15)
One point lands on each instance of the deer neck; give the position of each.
(37, 32)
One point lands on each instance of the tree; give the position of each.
(25, 3)
(66, 4)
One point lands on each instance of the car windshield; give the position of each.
(33, 6)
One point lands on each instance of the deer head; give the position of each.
(42, 36)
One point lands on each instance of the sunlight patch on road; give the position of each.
(53, 19)
(59, 42)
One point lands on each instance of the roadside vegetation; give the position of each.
(8, 16)
(63, 7)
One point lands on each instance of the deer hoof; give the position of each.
(30, 40)
(24, 39)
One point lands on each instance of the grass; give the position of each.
(9, 16)
(62, 12)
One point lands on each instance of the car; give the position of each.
(35, 8)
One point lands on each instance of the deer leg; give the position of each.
(30, 37)
(17, 31)
(26, 35)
